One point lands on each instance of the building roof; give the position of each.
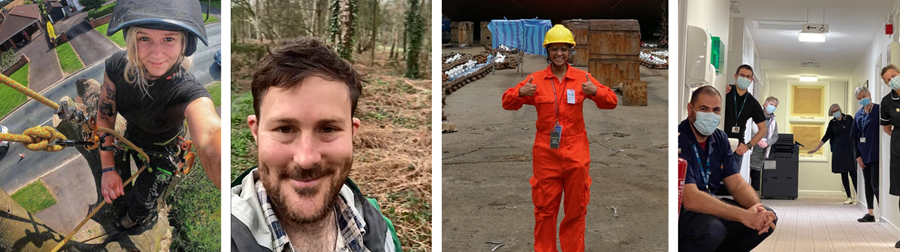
(18, 18)
(28, 10)
(55, 4)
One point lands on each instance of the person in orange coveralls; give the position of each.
(561, 156)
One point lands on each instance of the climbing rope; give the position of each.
(27, 91)
(102, 203)
(38, 138)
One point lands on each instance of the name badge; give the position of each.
(735, 129)
(570, 96)
(554, 137)
(862, 139)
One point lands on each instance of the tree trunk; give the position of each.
(374, 29)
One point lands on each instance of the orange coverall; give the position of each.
(564, 169)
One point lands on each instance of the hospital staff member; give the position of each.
(761, 150)
(740, 106)
(890, 119)
(842, 148)
(865, 134)
(561, 154)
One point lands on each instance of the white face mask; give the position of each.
(706, 122)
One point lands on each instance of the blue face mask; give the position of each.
(743, 83)
(770, 109)
(836, 114)
(895, 83)
(706, 122)
(864, 101)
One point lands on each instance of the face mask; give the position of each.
(744, 83)
(836, 114)
(770, 109)
(895, 83)
(864, 101)
(706, 122)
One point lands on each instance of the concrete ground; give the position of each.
(487, 165)
(45, 68)
(90, 45)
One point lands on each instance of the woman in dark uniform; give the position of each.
(865, 136)
(843, 160)
(890, 119)
(149, 85)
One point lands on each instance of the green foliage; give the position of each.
(215, 91)
(11, 97)
(415, 27)
(68, 60)
(196, 213)
(243, 148)
(117, 38)
(343, 42)
(101, 11)
(8, 58)
(34, 197)
(91, 4)
(333, 21)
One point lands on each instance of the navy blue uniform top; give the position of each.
(866, 125)
(718, 151)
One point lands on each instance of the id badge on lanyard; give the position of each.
(555, 136)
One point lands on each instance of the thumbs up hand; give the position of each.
(528, 89)
(588, 87)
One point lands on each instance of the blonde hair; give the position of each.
(135, 72)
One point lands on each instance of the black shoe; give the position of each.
(867, 218)
(897, 245)
(126, 223)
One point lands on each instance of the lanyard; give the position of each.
(865, 120)
(705, 172)
(556, 99)
(738, 114)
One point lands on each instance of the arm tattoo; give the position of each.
(106, 110)
(110, 93)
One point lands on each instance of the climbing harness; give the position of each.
(47, 138)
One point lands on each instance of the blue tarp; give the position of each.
(525, 34)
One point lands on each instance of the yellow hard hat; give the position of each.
(559, 34)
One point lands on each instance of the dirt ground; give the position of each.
(487, 164)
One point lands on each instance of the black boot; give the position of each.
(866, 218)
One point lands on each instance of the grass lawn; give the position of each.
(215, 91)
(118, 38)
(196, 213)
(68, 60)
(215, 4)
(34, 197)
(211, 19)
(11, 97)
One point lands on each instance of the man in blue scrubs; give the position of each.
(707, 223)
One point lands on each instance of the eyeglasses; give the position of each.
(556, 49)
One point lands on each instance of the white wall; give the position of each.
(867, 70)
(714, 16)
(814, 176)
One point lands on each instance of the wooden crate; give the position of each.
(485, 33)
(582, 56)
(454, 32)
(580, 29)
(466, 33)
(635, 93)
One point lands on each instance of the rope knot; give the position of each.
(43, 139)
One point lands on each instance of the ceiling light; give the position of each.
(808, 78)
(811, 37)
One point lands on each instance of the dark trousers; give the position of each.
(852, 175)
(148, 186)
(870, 183)
(755, 179)
(702, 232)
